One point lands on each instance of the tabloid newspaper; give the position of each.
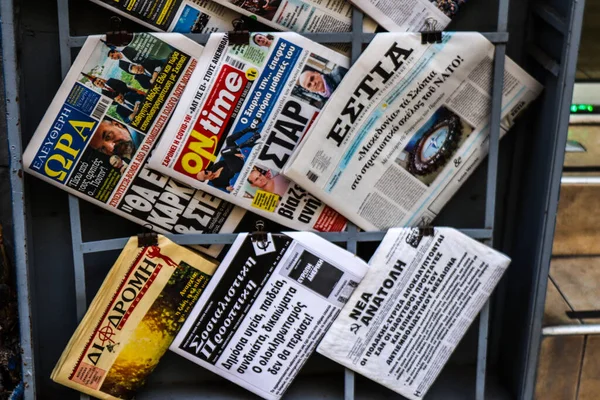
(300, 15)
(267, 307)
(241, 117)
(103, 123)
(409, 313)
(407, 126)
(133, 319)
(183, 16)
(411, 15)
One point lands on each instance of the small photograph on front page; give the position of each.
(318, 80)
(433, 145)
(448, 7)
(191, 20)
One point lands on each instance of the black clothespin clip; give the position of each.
(117, 37)
(147, 238)
(430, 34)
(260, 237)
(425, 229)
(240, 35)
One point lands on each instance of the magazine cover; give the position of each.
(267, 307)
(243, 113)
(413, 307)
(103, 124)
(411, 15)
(300, 15)
(406, 129)
(183, 16)
(133, 319)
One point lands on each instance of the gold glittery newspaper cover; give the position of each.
(133, 319)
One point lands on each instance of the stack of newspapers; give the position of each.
(185, 138)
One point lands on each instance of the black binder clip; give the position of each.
(117, 37)
(426, 231)
(240, 35)
(147, 238)
(430, 34)
(260, 237)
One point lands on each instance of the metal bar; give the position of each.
(351, 243)
(544, 59)
(228, 238)
(571, 330)
(13, 127)
(580, 180)
(491, 190)
(550, 16)
(563, 97)
(334, 37)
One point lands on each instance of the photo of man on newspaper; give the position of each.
(318, 80)
(262, 40)
(433, 146)
(127, 74)
(224, 173)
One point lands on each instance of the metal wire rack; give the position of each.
(351, 237)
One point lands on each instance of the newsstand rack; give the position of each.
(516, 208)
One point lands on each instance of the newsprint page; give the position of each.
(411, 15)
(409, 313)
(267, 307)
(183, 16)
(300, 15)
(241, 117)
(103, 124)
(406, 128)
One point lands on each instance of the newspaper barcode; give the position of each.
(235, 63)
(312, 176)
(100, 109)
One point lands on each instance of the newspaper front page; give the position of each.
(413, 307)
(406, 128)
(183, 16)
(300, 15)
(134, 317)
(103, 124)
(267, 307)
(411, 15)
(242, 115)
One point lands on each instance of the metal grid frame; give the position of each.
(351, 237)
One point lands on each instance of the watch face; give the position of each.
(436, 146)
(434, 143)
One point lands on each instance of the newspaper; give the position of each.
(409, 313)
(183, 16)
(133, 319)
(103, 123)
(300, 15)
(411, 15)
(267, 307)
(240, 118)
(408, 125)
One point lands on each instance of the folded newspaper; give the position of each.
(408, 125)
(103, 123)
(183, 16)
(267, 307)
(133, 319)
(415, 304)
(300, 15)
(411, 15)
(240, 118)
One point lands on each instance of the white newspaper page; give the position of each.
(408, 125)
(240, 119)
(183, 16)
(267, 307)
(409, 313)
(300, 15)
(411, 15)
(103, 124)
